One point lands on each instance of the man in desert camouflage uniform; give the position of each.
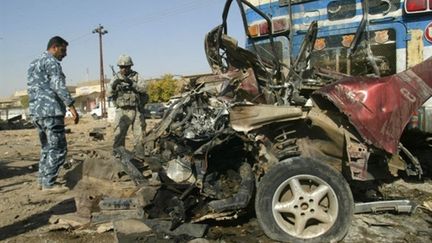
(48, 98)
(129, 96)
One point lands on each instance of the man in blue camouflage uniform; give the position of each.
(129, 96)
(48, 98)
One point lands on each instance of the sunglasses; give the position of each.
(124, 67)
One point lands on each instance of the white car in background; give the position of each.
(96, 112)
(69, 114)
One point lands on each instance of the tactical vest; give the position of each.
(125, 96)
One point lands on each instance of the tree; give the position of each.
(24, 101)
(162, 89)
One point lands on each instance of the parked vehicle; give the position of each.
(69, 114)
(96, 112)
(154, 110)
(215, 151)
(355, 37)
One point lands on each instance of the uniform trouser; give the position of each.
(125, 118)
(53, 148)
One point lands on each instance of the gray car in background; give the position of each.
(154, 110)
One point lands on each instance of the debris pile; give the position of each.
(15, 123)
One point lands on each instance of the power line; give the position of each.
(80, 37)
(188, 7)
(157, 15)
(178, 10)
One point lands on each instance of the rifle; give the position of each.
(126, 86)
(114, 72)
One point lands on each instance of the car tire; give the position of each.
(304, 200)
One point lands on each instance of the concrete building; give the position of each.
(88, 99)
(18, 104)
(88, 95)
(11, 107)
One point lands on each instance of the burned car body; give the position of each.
(252, 138)
(214, 154)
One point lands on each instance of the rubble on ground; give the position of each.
(15, 123)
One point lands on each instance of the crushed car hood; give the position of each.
(245, 118)
(380, 108)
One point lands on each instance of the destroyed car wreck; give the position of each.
(254, 143)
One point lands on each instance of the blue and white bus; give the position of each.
(355, 37)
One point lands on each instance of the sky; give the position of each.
(162, 37)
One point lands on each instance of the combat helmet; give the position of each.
(124, 60)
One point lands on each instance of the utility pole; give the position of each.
(101, 31)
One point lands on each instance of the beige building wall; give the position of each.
(88, 87)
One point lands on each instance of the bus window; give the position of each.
(264, 50)
(331, 53)
(383, 7)
(342, 9)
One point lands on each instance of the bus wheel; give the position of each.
(304, 200)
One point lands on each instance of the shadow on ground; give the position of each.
(8, 171)
(37, 220)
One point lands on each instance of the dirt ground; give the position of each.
(27, 214)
